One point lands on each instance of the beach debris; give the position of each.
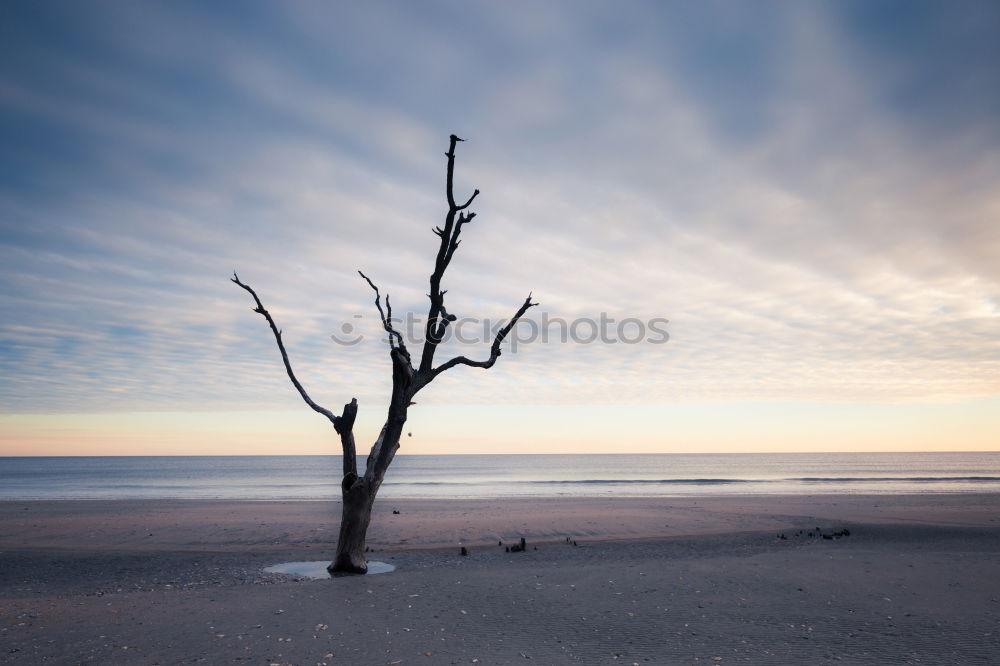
(464, 551)
(395, 512)
(829, 536)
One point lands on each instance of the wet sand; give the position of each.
(651, 580)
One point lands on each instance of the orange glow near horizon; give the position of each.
(681, 428)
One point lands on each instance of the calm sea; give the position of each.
(318, 477)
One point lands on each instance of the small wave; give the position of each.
(515, 482)
(901, 479)
(704, 481)
(654, 481)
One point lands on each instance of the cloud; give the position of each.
(752, 177)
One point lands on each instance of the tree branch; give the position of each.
(395, 339)
(463, 219)
(346, 431)
(494, 348)
(437, 317)
(469, 202)
(449, 183)
(336, 420)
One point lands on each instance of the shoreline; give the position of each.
(524, 496)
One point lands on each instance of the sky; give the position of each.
(794, 205)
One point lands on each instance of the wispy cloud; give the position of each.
(814, 222)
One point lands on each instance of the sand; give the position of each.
(652, 580)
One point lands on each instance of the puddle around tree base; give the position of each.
(317, 570)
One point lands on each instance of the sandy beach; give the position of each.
(650, 580)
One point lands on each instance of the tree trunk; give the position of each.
(358, 497)
(355, 515)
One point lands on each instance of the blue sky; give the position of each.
(807, 191)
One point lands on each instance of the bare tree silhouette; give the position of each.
(358, 492)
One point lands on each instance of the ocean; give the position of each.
(487, 476)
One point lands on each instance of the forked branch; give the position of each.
(395, 339)
(438, 317)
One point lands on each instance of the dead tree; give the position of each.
(358, 492)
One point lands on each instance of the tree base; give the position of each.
(345, 566)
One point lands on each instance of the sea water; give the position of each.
(487, 476)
